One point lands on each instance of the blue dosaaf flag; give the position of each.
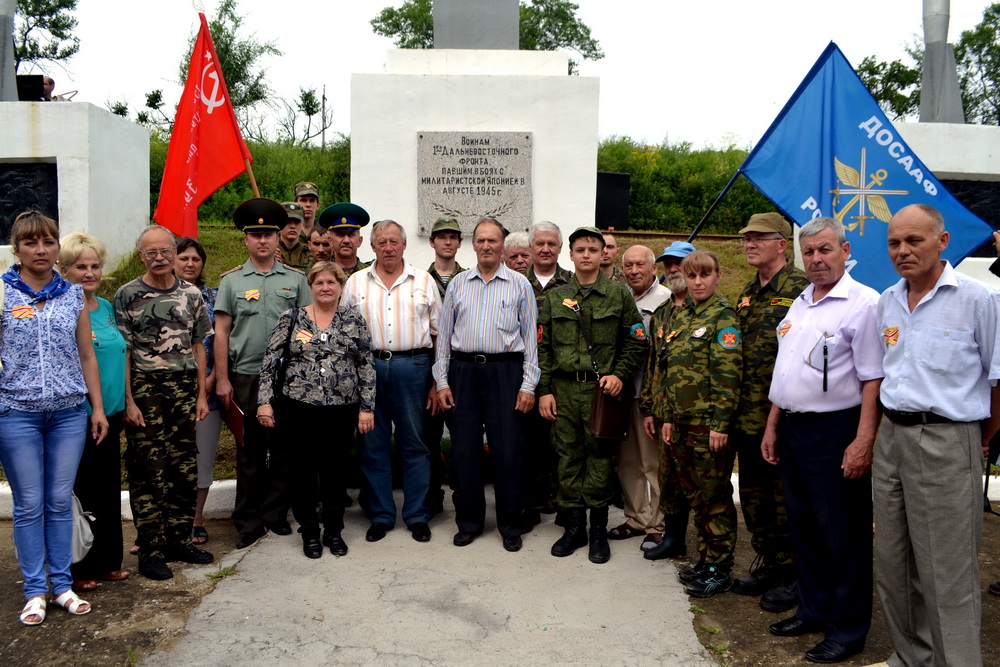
(831, 151)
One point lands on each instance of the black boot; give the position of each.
(600, 552)
(575, 535)
(674, 544)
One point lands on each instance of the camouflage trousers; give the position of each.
(161, 459)
(706, 479)
(585, 466)
(762, 501)
(673, 500)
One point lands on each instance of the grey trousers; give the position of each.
(927, 482)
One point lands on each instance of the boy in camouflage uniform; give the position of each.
(568, 380)
(701, 383)
(164, 321)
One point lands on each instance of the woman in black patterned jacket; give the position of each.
(316, 383)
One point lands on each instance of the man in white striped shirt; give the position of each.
(486, 371)
(401, 305)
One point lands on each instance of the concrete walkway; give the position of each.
(399, 602)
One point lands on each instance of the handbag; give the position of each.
(609, 415)
(83, 534)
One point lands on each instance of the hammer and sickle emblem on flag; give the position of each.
(216, 99)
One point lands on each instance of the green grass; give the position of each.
(221, 574)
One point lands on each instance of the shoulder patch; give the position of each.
(729, 337)
(638, 332)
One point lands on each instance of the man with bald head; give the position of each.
(941, 404)
(639, 455)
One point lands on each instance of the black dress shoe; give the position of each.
(376, 532)
(530, 519)
(279, 528)
(464, 539)
(794, 626)
(335, 543)
(421, 531)
(830, 651)
(249, 537)
(311, 546)
(154, 567)
(188, 553)
(512, 543)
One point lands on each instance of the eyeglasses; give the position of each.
(151, 254)
(745, 241)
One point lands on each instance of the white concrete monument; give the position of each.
(101, 165)
(518, 100)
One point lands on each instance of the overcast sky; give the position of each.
(711, 73)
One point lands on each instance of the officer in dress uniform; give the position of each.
(344, 220)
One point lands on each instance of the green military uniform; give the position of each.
(442, 283)
(760, 309)
(619, 276)
(254, 300)
(360, 266)
(701, 392)
(298, 257)
(561, 277)
(619, 339)
(651, 397)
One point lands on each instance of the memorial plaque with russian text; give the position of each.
(26, 186)
(468, 175)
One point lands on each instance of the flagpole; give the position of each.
(712, 208)
(253, 181)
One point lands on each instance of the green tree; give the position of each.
(545, 25)
(43, 32)
(895, 86)
(240, 60)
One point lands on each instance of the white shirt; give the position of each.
(942, 357)
(647, 303)
(401, 317)
(843, 322)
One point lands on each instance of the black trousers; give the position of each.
(319, 440)
(831, 523)
(262, 491)
(98, 486)
(485, 396)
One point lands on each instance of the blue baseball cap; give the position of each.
(678, 249)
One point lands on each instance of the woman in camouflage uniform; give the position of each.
(703, 368)
(319, 373)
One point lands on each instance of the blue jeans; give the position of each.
(401, 388)
(40, 452)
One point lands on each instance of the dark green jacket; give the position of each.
(611, 318)
(760, 309)
(561, 277)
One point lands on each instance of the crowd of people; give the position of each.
(828, 393)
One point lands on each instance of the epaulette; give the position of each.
(240, 266)
(292, 268)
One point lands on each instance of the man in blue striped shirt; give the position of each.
(486, 372)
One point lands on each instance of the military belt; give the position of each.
(479, 358)
(576, 376)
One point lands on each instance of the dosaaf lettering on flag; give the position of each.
(206, 148)
(833, 152)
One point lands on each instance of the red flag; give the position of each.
(206, 148)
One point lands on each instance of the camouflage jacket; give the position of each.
(760, 309)
(651, 394)
(161, 327)
(702, 382)
(561, 277)
(612, 320)
(298, 257)
(442, 284)
(360, 266)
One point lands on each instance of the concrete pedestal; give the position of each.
(102, 165)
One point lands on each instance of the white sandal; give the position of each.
(71, 602)
(34, 607)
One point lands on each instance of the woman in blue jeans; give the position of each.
(49, 369)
